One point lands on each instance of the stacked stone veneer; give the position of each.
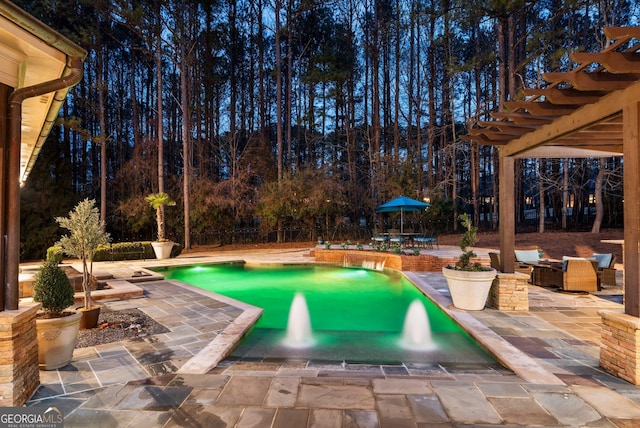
(19, 373)
(421, 263)
(620, 349)
(509, 292)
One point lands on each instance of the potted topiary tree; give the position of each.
(469, 283)
(162, 247)
(57, 328)
(86, 234)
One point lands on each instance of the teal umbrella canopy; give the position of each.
(402, 204)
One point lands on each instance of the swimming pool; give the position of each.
(354, 314)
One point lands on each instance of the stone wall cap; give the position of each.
(514, 274)
(620, 317)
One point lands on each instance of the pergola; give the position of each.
(590, 111)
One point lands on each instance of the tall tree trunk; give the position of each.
(565, 192)
(289, 89)
(279, 142)
(396, 105)
(541, 192)
(597, 194)
(431, 138)
(102, 87)
(376, 93)
(159, 106)
(186, 144)
(473, 146)
(502, 63)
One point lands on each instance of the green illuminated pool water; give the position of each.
(356, 314)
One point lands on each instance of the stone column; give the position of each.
(19, 373)
(509, 292)
(620, 349)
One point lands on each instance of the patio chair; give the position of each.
(398, 240)
(579, 274)
(526, 260)
(531, 257)
(521, 267)
(427, 240)
(606, 268)
(379, 238)
(494, 259)
(574, 274)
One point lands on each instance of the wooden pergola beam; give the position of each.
(613, 62)
(609, 106)
(523, 118)
(567, 96)
(507, 126)
(622, 33)
(595, 136)
(495, 135)
(541, 108)
(596, 81)
(559, 152)
(483, 140)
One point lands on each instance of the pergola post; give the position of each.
(631, 151)
(620, 350)
(507, 223)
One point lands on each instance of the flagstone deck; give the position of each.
(164, 380)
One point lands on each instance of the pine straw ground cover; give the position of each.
(114, 326)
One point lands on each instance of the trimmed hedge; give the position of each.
(52, 288)
(128, 251)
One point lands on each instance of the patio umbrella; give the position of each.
(402, 204)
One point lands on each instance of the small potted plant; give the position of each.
(57, 328)
(162, 247)
(469, 283)
(86, 234)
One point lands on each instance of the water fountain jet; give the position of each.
(416, 332)
(299, 333)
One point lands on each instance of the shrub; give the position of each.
(130, 251)
(52, 288)
(55, 254)
(469, 239)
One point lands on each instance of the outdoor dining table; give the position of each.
(404, 238)
(543, 270)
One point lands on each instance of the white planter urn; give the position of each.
(469, 290)
(162, 249)
(57, 338)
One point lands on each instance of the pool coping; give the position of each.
(507, 354)
(222, 345)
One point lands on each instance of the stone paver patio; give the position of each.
(168, 379)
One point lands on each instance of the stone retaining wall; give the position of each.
(620, 350)
(421, 263)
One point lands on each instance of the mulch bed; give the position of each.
(114, 326)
